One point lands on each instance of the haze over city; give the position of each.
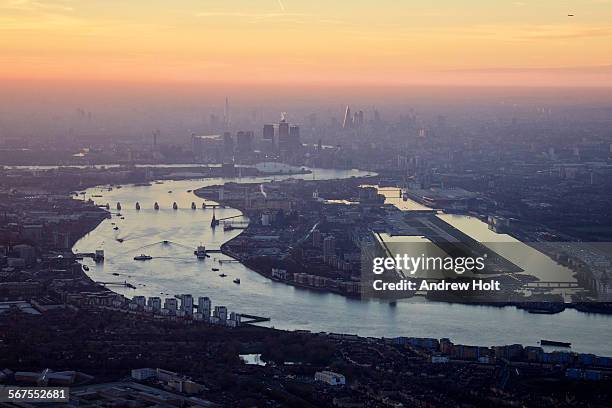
(305, 203)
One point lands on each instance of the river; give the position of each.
(175, 270)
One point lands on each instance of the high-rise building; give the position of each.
(283, 135)
(234, 319)
(316, 238)
(359, 118)
(268, 132)
(329, 247)
(171, 304)
(244, 142)
(268, 144)
(294, 137)
(156, 134)
(220, 313)
(154, 303)
(204, 306)
(348, 119)
(139, 300)
(187, 304)
(226, 114)
(228, 145)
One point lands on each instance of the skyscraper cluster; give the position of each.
(286, 138)
(352, 121)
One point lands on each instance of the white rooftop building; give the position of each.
(330, 378)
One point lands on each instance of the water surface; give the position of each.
(175, 270)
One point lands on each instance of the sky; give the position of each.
(363, 42)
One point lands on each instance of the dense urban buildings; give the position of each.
(305, 204)
(306, 233)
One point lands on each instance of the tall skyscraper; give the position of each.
(187, 304)
(294, 137)
(244, 142)
(154, 303)
(329, 247)
(171, 304)
(316, 238)
(268, 132)
(268, 145)
(156, 134)
(228, 146)
(359, 118)
(283, 134)
(226, 114)
(348, 119)
(204, 306)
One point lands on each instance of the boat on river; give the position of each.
(143, 257)
(555, 343)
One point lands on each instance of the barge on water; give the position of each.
(555, 343)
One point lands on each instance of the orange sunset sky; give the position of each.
(451, 42)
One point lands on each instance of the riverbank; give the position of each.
(280, 267)
(65, 179)
(175, 269)
(255, 267)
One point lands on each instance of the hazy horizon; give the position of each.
(138, 66)
(46, 109)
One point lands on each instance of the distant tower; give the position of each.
(156, 134)
(226, 114)
(347, 118)
(360, 118)
(268, 138)
(283, 133)
(294, 137)
(268, 132)
(228, 146)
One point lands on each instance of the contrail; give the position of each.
(281, 5)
